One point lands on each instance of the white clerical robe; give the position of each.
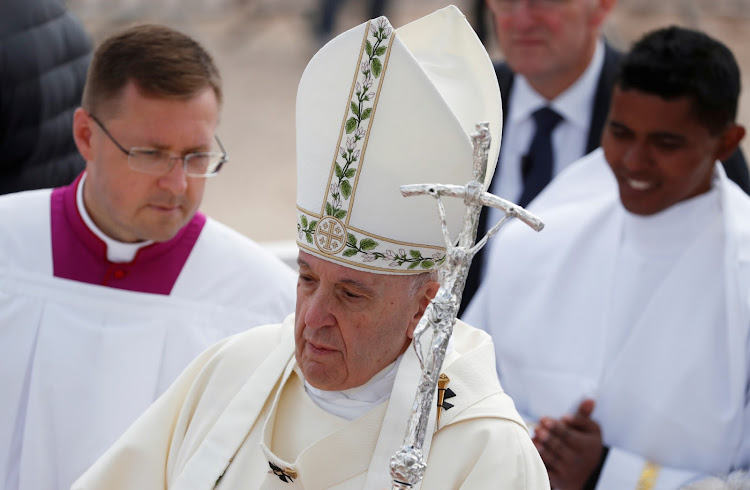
(79, 362)
(226, 423)
(669, 371)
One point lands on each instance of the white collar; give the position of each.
(574, 104)
(355, 402)
(673, 229)
(117, 252)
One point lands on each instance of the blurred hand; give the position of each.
(571, 447)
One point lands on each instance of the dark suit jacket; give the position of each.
(735, 166)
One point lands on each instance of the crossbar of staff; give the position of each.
(408, 464)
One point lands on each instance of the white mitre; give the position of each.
(377, 109)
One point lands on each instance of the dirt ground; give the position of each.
(262, 47)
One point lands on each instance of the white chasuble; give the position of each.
(302, 445)
(226, 424)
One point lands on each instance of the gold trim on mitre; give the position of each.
(378, 253)
(329, 232)
(440, 84)
(358, 117)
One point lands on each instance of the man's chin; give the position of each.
(164, 229)
(319, 376)
(162, 233)
(642, 208)
(529, 60)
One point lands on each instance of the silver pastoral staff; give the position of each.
(408, 464)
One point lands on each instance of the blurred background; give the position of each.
(262, 46)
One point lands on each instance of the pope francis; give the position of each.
(322, 401)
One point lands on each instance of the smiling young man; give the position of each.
(623, 331)
(555, 57)
(323, 400)
(111, 285)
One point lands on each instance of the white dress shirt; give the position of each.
(569, 137)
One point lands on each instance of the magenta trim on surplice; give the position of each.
(78, 254)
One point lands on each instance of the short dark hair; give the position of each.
(677, 62)
(162, 62)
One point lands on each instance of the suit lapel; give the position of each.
(603, 97)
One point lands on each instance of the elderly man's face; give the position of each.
(548, 41)
(658, 150)
(132, 206)
(351, 324)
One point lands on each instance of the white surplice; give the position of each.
(649, 316)
(239, 417)
(79, 362)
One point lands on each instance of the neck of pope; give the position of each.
(355, 402)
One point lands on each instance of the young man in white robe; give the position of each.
(622, 330)
(322, 400)
(109, 287)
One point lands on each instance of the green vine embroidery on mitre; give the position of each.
(370, 69)
(306, 228)
(367, 247)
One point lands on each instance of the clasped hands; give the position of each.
(571, 447)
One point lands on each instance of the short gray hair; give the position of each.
(419, 280)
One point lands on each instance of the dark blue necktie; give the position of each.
(537, 164)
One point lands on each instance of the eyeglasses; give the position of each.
(158, 162)
(510, 5)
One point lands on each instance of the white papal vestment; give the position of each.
(78, 361)
(647, 315)
(234, 417)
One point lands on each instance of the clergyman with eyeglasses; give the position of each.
(110, 286)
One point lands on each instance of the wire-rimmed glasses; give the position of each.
(159, 162)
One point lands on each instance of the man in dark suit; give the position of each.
(556, 85)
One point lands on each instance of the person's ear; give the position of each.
(82, 133)
(601, 10)
(729, 140)
(426, 293)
